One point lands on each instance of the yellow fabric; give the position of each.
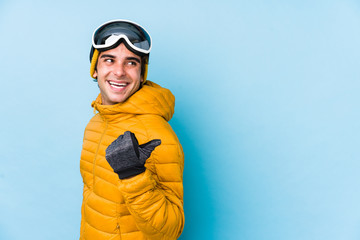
(145, 74)
(93, 62)
(146, 206)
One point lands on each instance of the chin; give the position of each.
(119, 100)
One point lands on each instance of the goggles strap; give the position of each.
(145, 74)
(93, 62)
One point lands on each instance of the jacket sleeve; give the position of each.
(155, 197)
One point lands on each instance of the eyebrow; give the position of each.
(107, 56)
(134, 59)
(128, 58)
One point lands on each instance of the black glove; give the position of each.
(126, 157)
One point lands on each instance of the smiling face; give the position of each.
(118, 72)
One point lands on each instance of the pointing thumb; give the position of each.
(147, 148)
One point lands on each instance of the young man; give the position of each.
(131, 161)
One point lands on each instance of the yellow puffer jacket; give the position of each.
(146, 206)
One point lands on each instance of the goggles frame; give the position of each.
(114, 38)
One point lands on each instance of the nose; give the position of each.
(119, 69)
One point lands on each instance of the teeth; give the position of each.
(114, 84)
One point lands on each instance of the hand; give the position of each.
(126, 157)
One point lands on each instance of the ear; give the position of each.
(95, 74)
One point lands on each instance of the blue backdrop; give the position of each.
(268, 112)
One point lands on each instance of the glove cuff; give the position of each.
(130, 172)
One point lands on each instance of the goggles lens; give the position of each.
(108, 34)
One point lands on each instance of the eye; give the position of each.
(132, 63)
(109, 60)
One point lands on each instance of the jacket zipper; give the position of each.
(97, 151)
(94, 164)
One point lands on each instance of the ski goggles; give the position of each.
(109, 34)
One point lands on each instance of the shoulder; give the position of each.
(94, 124)
(157, 127)
(170, 149)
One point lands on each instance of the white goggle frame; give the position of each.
(110, 41)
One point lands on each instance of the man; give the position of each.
(131, 161)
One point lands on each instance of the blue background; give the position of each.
(268, 112)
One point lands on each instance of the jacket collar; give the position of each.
(150, 99)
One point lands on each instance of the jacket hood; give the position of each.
(150, 99)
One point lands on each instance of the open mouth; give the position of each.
(117, 85)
